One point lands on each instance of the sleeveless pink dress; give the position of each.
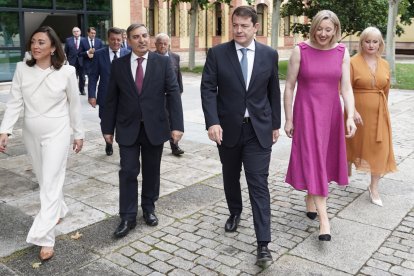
(318, 153)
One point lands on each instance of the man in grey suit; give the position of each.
(162, 45)
(241, 102)
(100, 70)
(139, 86)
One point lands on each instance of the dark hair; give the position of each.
(133, 27)
(114, 30)
(90, 29)
(246, 11)
(58, 57)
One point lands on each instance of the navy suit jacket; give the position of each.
(225, 98)
(84, 47)
(175, 60)
(100, 69)
(72, 54)
(125, 109)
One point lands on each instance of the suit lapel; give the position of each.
(107, 57)
(129, 75)
(234, 60)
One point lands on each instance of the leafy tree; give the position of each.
(354, 15)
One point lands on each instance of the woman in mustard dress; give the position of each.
(371, 149)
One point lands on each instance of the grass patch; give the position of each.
(197, 69)
(405, 76)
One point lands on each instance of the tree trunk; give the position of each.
(193, 27)
(390, 41)
(275, 23)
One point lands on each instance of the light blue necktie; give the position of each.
(243, 63)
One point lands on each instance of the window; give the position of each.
(45, 4)
(286, 26)
(97, 5)
(101, 23)
(174, 20)
(9, 29)
(261, 19)
(69, 4)
(218, 19)
(152, 18)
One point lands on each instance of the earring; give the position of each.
(52, 53)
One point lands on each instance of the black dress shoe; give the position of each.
(175, 149)
(263, 255)
(124, 227)
(232, 223)
(82, 93)
(325, 237)
(108, 149)
(150, 219)
(312, 215)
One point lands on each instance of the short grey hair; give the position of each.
(161, 36)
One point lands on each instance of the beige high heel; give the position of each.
(374, 201)
(46, 253)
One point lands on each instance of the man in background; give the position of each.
(162, 44)
(72, 50)
(100, 69)
(88, 46)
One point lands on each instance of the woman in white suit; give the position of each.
(47, 91)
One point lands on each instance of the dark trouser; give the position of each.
(81, 76)
(255, 160)
(130, 168)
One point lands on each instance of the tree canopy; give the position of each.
(354, 15)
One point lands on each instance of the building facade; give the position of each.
(19, 18)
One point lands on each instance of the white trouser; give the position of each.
(47, 141)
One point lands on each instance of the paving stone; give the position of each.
(5, 271)
(399, 270)
(195, 199)
(180, 272)
(207, 262)
(160, 255)
(228, 260)
(140, 269)
(119, 259)
(14, 227)
(127, 251)
(374, 271)
(143, 258)
(143, 247)
(294, 266)
(190, 246)
(69, 256)
(21, 186)
(404, 255)
(226, 270)
(101, 267)
(361, 210)
(208, 243)
(340, 253)
(185, 254)
(170, 248)
(161, 267)
(171, 239)
(379, 264)
(396, 246)
(181, 263)
(202, 271)
(387, 258)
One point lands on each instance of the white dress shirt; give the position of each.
(134, 63)
(250, 61)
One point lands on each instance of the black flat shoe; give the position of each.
(232, 223)
(108, 149)
(312, 215)
(325, 237)
(263, 256)
(123, 228)
(150, 219)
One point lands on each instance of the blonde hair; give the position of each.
(316, 21)
(372, 31)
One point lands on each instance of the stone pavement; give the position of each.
(190, 239)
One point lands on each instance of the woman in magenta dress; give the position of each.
(320, 67)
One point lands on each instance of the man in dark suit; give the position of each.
(124, 43)
(72, 50)
(88, 46)
(139, 86)
(241, 102)
(162, 45)
(100, 69)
